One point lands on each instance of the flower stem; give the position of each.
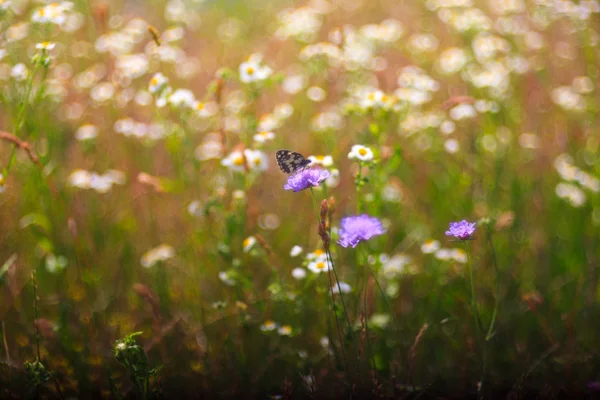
(497, 286)
(330, 260)
(369, 348)
(479, 332)
(337, 280)
(21, 117)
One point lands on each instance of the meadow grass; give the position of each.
(152, 248)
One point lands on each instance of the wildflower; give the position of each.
(132, 65)
(256, 159)
(54, 13)
(395, 265)
(430, 246)
(452, 60)
(459, 255)
(461, 230)
(316, 94)
(45, 46)
(19, 72)
(182, 98)
(235, 161)
(268, 326)
(55, 264)
(326, 161)
(2, 183)
(361, 153)
(227, 277)
(210, 149)
(205, 110)
(253, 71)
(249, 243)
(306, 178)
(571, 193)
(343, 286)
(157, 83)
(302, 23)
(320, 265)
(356, 229)
(299, 273)
(263, 136)
(443, 254)
(86, 132)
(296, 251)
(157, 254)
(334, 179)
(4, 5)
(315, 254)
(285, 330)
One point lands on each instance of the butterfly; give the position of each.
(290, 161)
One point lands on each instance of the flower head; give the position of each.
(253, 70)
(306, 178)
(461, 230)
(361, 153)
(358, 228)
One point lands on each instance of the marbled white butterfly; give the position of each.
(290, 161)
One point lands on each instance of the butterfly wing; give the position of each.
(290, 161)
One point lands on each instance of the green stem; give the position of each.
(330, 260)
(359, 183)
(21, 118)
(490, 331)
(337, 280)
(479, 331)
(35, 308)
(369, 349)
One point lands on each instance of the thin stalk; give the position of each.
(479, 331)
(337, 280)
(21, 117)
(369, 349)
(330, 260)
(35, 308)
(337, 323)
(490, 331)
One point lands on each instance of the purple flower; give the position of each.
(461, 230)
(306, 178)
(359, 228)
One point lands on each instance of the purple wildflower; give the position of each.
(359, 228)
(461, 230)
(305, 178)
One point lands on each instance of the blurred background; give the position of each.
(140, 193)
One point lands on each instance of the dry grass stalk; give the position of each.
(22, 145)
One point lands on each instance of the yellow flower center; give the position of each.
(318, 252)
(200, 106)
(238, 160)
(371, 96)
(362, 152)
(286, 329)
(320, 265)
(250, 70)
(320, 158)
(257, 161)
(247, 242)
(154, 82)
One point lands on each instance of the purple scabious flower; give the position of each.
(461, 230)
(306, 178)
(358, 228)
